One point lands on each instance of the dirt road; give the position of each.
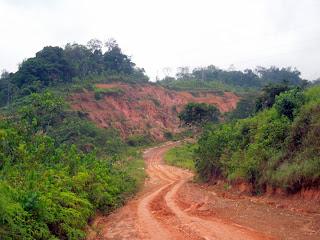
(172, 207)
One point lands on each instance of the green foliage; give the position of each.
(278, 146)
(289, 102)
(56, 170)
(49, 67)
(86, 136)
(6, 88)
(99, 93)
(55, 67)
(139, 140)
(181, 156)
(168, 135)
(280, 75)
(208, 162)
(268, 96)
(245, 107)
(194, 84)
(199, 114)
(41, 111)
(115, 60)
(211, 77)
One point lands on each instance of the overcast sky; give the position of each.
(170, 33)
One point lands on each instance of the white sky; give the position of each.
(170, 33)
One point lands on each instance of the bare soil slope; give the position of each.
(144, 109)
(171, 206)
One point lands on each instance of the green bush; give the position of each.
(139, 140)
(199, 114)
(288, 103)
(99, 93)
(277, 147)
(50, 185)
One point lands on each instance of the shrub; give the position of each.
(139, 140)
(99, 93)
(49, 187)
(289, 103)
(199, 114)
(278, 146)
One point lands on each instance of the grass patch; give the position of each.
(181, 156)
(135, 166)
(99, 93)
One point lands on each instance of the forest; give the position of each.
(73, 65)
(248, 80)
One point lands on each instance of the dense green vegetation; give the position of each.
(278, 146)
(213, 78)
(73, 65)
(181, 156)
(246, 107)
(199, 114)
(57, 169)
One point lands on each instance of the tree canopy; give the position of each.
(199, 114)
(55, 65)
(212, 77)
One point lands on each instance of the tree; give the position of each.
(199, 114)
(183, 72)
(6, 88)
(268, 96)
(49, 67)
(94, 45)
(288, 103)
(280, 75)
(245, 107)
(115, 60)
(111, 43)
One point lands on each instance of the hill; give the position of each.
(143, 109)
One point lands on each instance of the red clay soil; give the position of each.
(144, 109)
(172, 206)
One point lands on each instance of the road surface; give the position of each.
(159, 213)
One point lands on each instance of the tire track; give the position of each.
(157, 215)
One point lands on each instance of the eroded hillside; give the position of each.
(143, 109)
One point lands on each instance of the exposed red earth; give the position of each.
(144, 109)
(172, 206)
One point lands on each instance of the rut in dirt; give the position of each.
(155, 214)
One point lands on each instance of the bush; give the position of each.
(278, 146)
(288, 103)
(139, 140)
(268, 95)
(199, 114)
(245, 107)
(49, 184)
(99, 93)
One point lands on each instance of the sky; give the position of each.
(162, 35)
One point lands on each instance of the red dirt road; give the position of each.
(172, 207)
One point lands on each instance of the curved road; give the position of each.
(155, 214)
